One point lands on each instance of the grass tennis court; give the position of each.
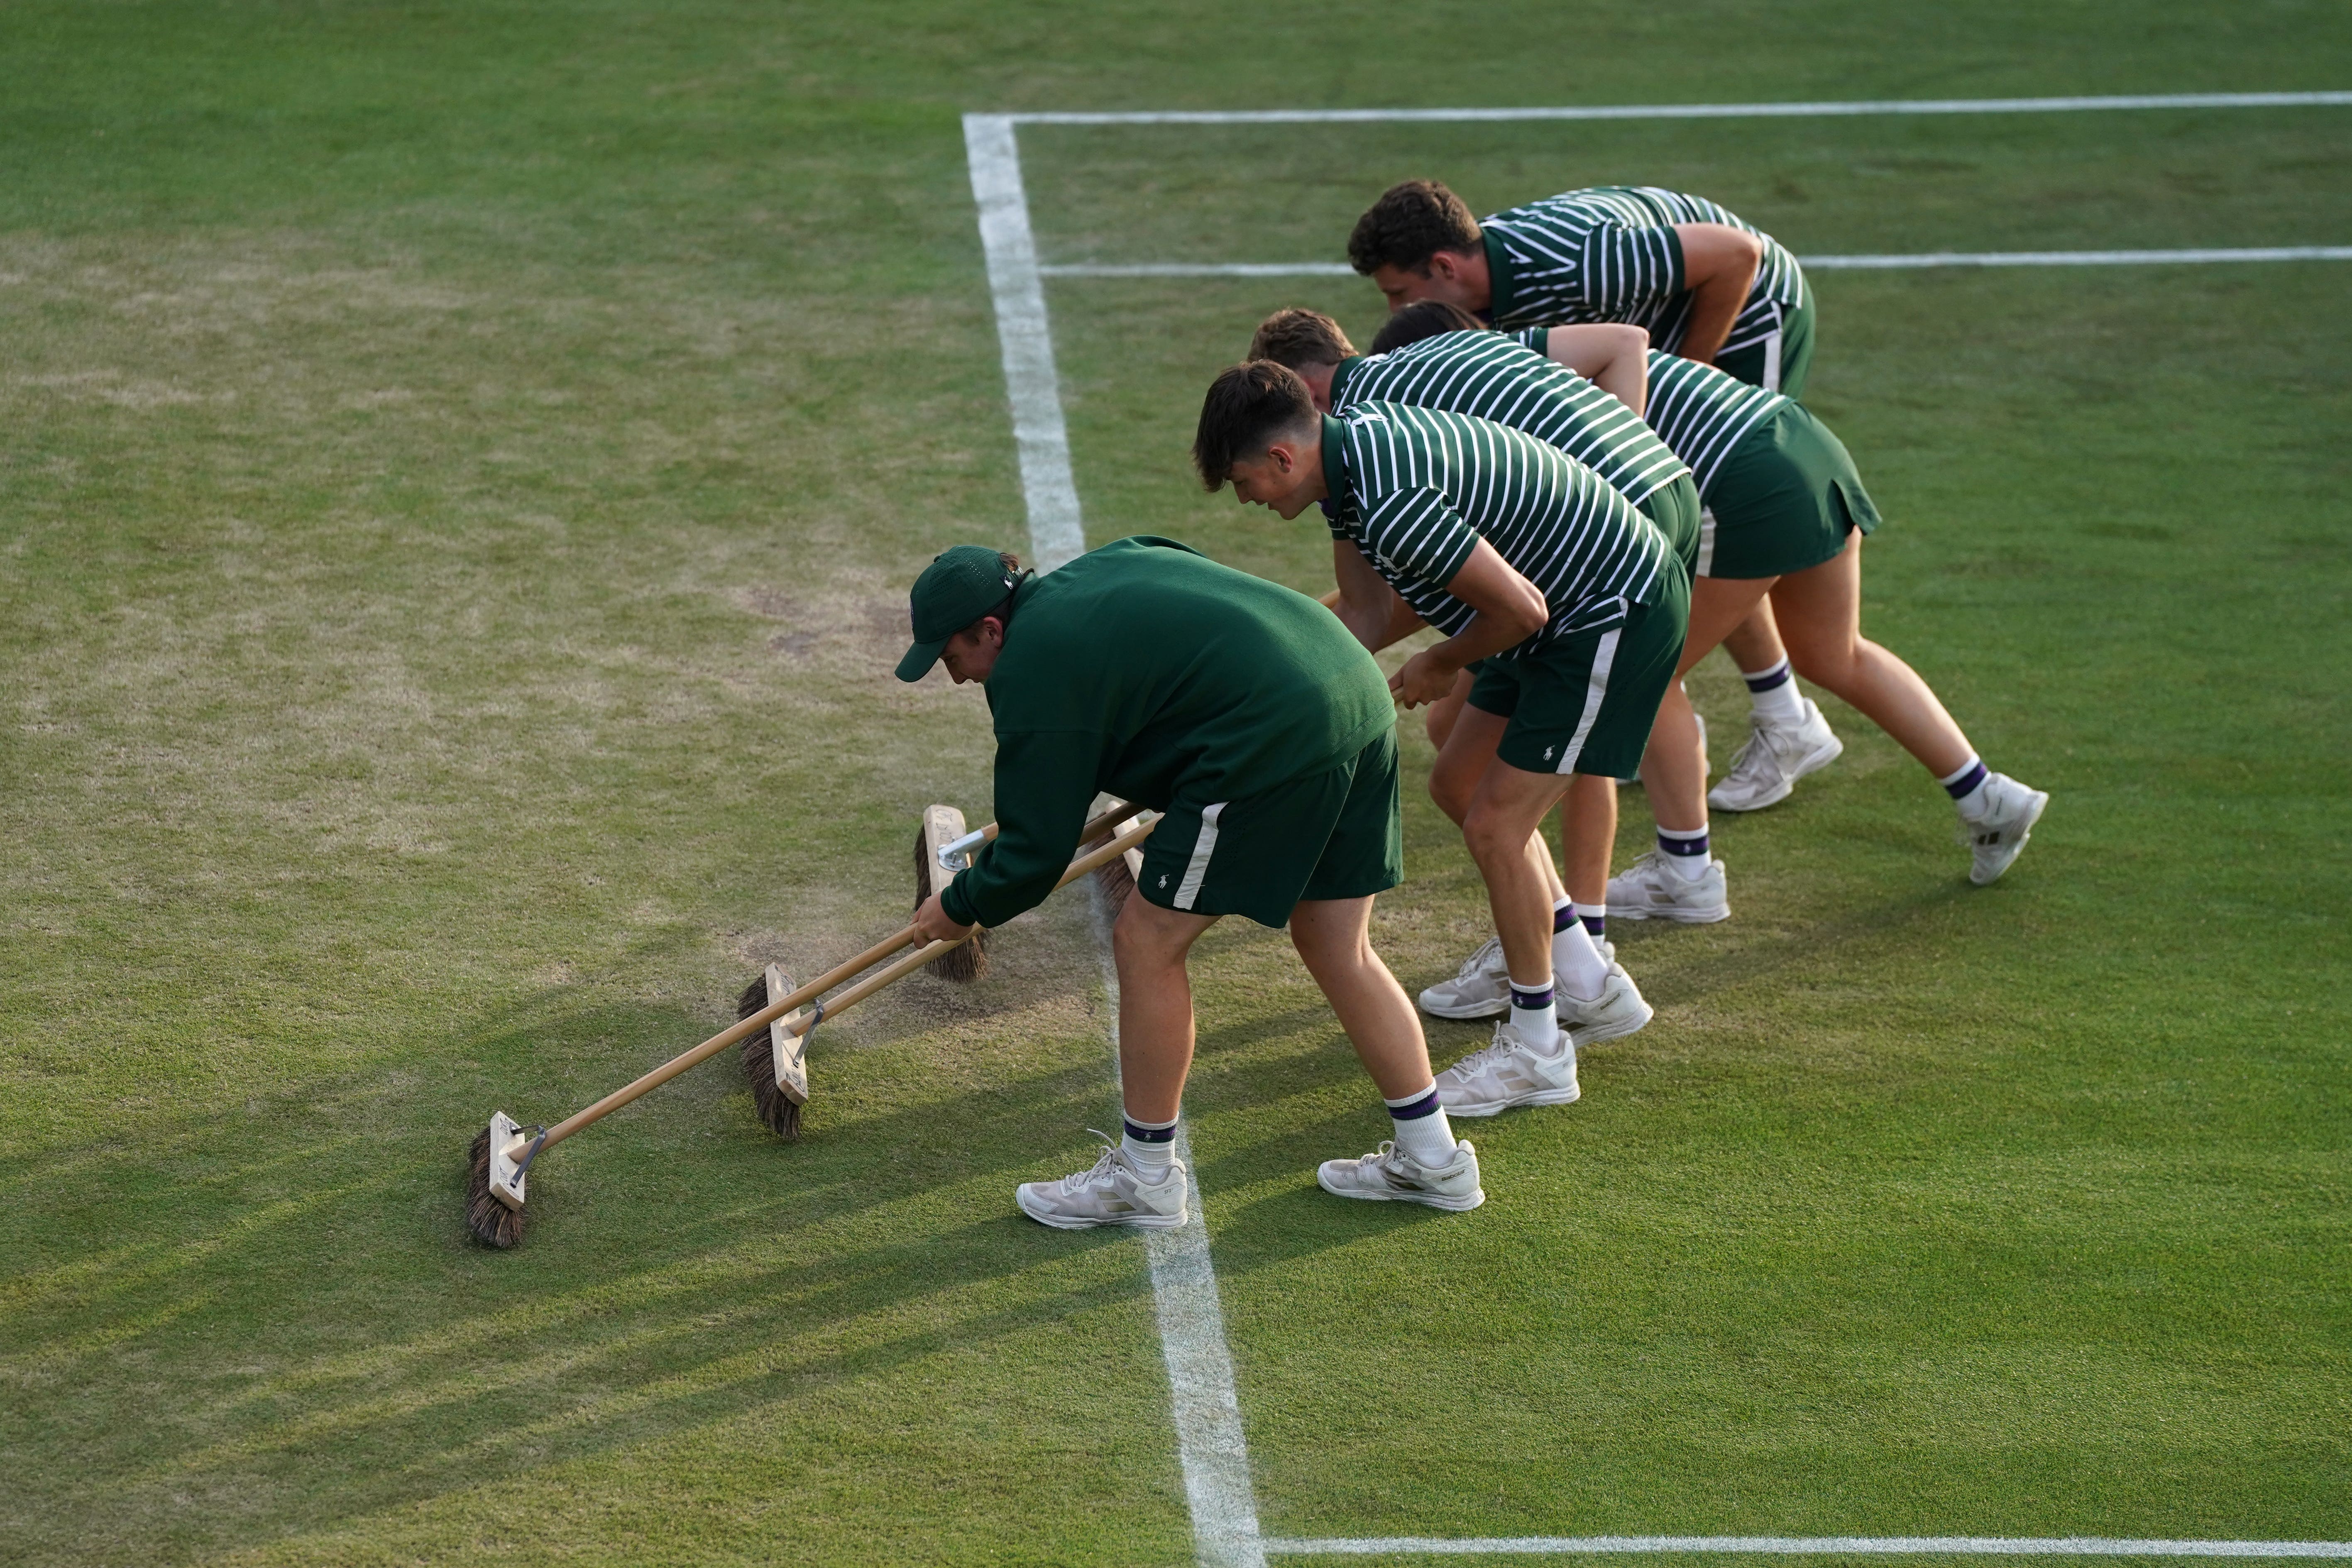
(462, 471)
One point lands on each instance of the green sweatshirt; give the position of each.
(1147, 670)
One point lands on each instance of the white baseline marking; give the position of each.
(1799, 1545)
(1026, 339)
(1692, 111)
(1815, 263)
(1211, 1446)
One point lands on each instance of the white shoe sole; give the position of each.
(1464, 1009)
(1568, 1096)
(1068, 1222)
(1679, 915)
(2033, 816)
(1819, 758)
(1462, 1205)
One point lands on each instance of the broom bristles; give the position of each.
(773, 1105)
(963, 965)
(492, 1223)
(1113, 879)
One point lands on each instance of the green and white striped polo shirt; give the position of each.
(1489, 376)
(1701, 413)
(1608, 254)
(1415, 490)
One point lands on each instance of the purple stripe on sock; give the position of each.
(1425, 1106)
(1685, 847)
(1152, 1134)
(1595, 926)
(1766, 680)
(1529, 1001)
(1562, 918)
(1966, 782)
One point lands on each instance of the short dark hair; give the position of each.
(1425, 318)
(1300, 338)
(1409, 224)
(1247, 406)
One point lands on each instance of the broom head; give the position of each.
(494, 1183)
(775, 1059)
(943, 825)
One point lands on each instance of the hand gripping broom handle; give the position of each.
(835, 977)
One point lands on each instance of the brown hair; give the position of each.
(1425, 318)
(1409, 224)
(1300, 338)
(1247, 406)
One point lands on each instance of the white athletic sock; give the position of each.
(1421, 1130)
(1576, 964)
(1773, 694)
(1966, 786)
(1534, 1017)
(1684, 852)
(1151, 1146)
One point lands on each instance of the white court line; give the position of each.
(1026, 339)
(1688, 111)
(1211, 1445)
(1798, 1545)
(1811, 263)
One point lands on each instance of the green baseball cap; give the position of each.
(956, 589)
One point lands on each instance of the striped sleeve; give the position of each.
(1418, 530)
(1627, 271)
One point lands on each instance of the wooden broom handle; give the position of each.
(835, 977)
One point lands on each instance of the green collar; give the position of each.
(1335, 467)
(1498, 278)
(1339, 374)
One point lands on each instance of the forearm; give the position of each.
(1485, 636)
(1043, 786)
(1614, 357)
(1719, 266)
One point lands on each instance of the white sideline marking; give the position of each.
(1209, 1441)
(1812, 263)
(1211, 1446)
(1799, 1546)
(1027, 338)
(1689, 111)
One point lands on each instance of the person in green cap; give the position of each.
(1264, 732)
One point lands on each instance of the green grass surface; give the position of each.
(461, 468)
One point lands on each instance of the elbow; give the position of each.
(1632, 342)
(1530, 615)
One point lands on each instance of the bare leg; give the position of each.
(1333, 938)
(1673, 767)
(1587, 833)
(1755, 643)
(1468, 750)
(1148, 945)
(1823, 610)
(1503, 814)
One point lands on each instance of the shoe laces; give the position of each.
(1481, 961)
(1754, 752)
(1486, 1055)
(1103, 1170)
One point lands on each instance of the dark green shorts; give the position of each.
(1585, 705)
(1675, 510)
(1782, 500)
(1332, 834)
(1781, 361)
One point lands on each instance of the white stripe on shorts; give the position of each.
(1773, 360)
(1202, 847)
(1705, 540)
(1604, 653)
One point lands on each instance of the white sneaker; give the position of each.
(1507, 1071)
(1389, 1175)
(1650, 889)
(1775, 757)
(1616, 1013)
(1702, 751)
(1479, 989)
(1996, 839)
(1113, 1193)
